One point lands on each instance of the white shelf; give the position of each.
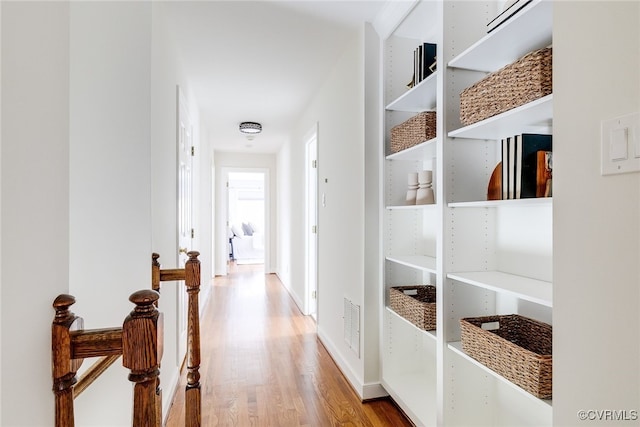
(421, 97)
(534, 117)
(428, 334)
(419, 262)
(421, 151)
(537, 201)
(456, 347)
(411, 207)
(408, 390)
(536, 291)
(526, 31)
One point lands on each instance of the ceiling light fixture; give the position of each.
(250, 128)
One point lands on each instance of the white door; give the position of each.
(312, 224)
(185, 211)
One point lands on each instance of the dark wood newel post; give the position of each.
(64, 368)
(155, 273)
(141, 353)
(192, 392)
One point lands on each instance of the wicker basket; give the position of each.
(417, 129)
(519, 350)
(415, 303)
(526, 80)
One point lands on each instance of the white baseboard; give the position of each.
(347, 371)
(373, 391)
(168, 393)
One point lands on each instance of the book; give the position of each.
(424, 60)
(512, 167)
(526, 160)
(428, 59)
(510, 9)
(505, 168)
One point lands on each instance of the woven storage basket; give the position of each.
(519, 350)
(526, 80)
(419, 309)
(417, 129)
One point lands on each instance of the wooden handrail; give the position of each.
(191, 276)
(96, 343)
(138, 341)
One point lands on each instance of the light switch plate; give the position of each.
(620, 144)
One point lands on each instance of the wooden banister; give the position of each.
(141, 353)
(191, 276)
(64, 367)
(91, 374)
(192, 392)
(70, 344)
(96, 343)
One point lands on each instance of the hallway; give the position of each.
(262, 364)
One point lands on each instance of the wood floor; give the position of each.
(262, 364)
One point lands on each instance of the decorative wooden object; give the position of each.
(191, 275)
(141, 353)
(494, 189)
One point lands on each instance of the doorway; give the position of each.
(246, 216)
(185, 143)
(311, 222)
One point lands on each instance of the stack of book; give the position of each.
(527, 162)
(424, 62)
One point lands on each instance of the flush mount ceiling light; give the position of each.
(250, 128)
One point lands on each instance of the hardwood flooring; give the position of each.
(263, 365)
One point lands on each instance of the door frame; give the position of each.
(181, 292)
(224, 210)
(311, 220)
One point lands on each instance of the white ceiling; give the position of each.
(260, 60)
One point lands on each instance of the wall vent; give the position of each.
(351, 318)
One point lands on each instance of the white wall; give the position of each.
(339, 109)
(373, 196)
(35, 202)
(166, 75)
(110, 179)
(284, 238)
(88, 175)
(596, 228)
(245, 161)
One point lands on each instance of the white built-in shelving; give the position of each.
(533, 117)
(485, 257)
(495, 266)
(539, 201)
(408, 357)
(418, 262)
(424, 150)
(420, 98)
(541, 404)
(524, 288)
(529, 29)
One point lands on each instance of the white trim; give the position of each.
(310, 138)
(351, 376)
(267, 213)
